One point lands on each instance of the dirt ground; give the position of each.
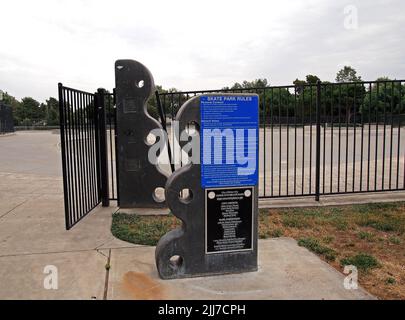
(370, 236)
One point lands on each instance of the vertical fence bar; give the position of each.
(384, 139)
(272, 142)
(318, 140)
(391, 133)
(376, 139)
(354, 138)
(303, 144)
(163, 121)
(331, 138)
(97, 147)
(295, 141)
(399, 132)
(347, 134)
(288, 144)
(264, 141)
(103, 148)
(369, 138)
(116, 149)
(310, 138)
(324, 139)
(92, 102)
(340, 133)
(362, 140)
(87, 147)
(279, 145)
(63, 151)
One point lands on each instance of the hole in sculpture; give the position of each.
(192, 128)
(120, 67)
(140, 84)
(185, 195)
(150, 139)
(176, 262)
(159, 194)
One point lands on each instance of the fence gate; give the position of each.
(84, 148)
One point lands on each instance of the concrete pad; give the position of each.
(286, 271)
(81, 275)
(145, 211)
(37, 226)
(31, 152)
(115, 243)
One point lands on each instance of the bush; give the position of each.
(315, 246)
(362, 261)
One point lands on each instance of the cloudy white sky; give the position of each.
(194, 44)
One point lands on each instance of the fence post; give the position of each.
(105, 197)
(318, 140)
(162, 115)
(63, 152)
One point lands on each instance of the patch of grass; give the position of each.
(340, 223)
(364, 235)
(328, 239)
(146, 230)
(308, 212)
(295, 221)
(277, 233)
(315, 246)
(382, 223)
(266, 233)
(394, 240)
(372, 207)
(390, 280)
(362, 261)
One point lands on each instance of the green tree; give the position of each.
(312, 79)
(30, 112)
(257, 83)
(170, 104)
(385, 95)
(51, 108)
(347, 74)
(14, 104)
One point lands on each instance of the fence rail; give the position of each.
(324, 138)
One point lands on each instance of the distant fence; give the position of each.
(22, 128)
(6, 119)
(324, 138)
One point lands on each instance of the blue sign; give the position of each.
(229, 140)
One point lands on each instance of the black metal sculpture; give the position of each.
(139, 180)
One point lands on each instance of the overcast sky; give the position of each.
(195, 44)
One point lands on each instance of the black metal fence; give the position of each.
(324, 138)
(6, 119)
(88, 150)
